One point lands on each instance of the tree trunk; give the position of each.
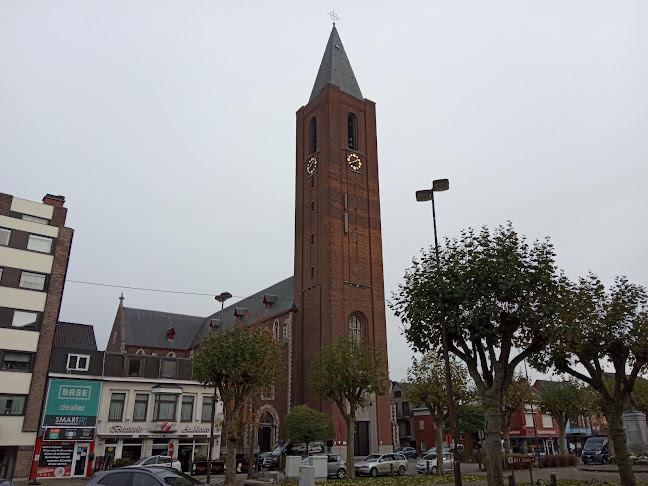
(492, 443)
(350, 423)
(232, 437)
(506, 426)
(438, 426)
(562, 425)
(617, 434)
(252, 464)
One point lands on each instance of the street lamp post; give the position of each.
(424, 196)
(220, 298)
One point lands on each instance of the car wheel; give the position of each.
(401, 471)
(374, 472)
(433, 470)
(341, 473)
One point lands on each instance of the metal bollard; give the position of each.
(554, 481)
(391, 468)
(511, 480)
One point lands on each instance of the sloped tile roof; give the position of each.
(72, 335)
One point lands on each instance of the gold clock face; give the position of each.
(311, 165)
(354, 162)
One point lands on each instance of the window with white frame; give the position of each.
(355, 327)
(171, 354)
(528, 419)
(547, 421)
(141, 407)
(78, 362)
(423, 448)
(165, 407)
(421, 424)
(31, 280)
(267, 393)
(285, 332)
(206, 412)
(275, 329)
(140, 352)
(116, 410)
(4, 236)
(42, 244)
(186, 410)
(24, 319)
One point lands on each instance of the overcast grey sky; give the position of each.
(169, 126)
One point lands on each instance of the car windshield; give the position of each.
(430, 457)
(593, 445)
(175, 478)
(372, 458)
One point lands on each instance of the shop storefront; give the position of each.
(526, 440)
(188, 444)
(66, 448)
(138, 420)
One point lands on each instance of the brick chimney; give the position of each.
(52, 200)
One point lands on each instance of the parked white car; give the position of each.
(165, 461)
(375, 464)
(429, 463)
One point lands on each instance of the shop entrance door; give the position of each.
(80, 459)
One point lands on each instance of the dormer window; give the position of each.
(78, 362)
(268, 300)
(214, 324)
(171, 333)
(240, 312)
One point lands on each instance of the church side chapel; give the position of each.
(337, 287)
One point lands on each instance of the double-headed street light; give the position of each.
(425, 195)
(220, 298)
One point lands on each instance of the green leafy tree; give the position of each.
(350, 374)
(564, 400)
(426, 384)
(303, 424)
(498, 295)
(518, 395)
(470, 418)
(600, 328)
(640, 395)
(238, 363)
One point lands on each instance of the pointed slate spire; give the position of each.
(335, 69)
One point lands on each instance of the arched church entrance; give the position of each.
(267, 432)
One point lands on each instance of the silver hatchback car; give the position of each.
(375, 464)
(336, 466)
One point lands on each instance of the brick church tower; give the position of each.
(339, 284)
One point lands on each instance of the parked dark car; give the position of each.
(408, 452)
(595, 449)
(162, 476)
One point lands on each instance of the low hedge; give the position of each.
(559, 460)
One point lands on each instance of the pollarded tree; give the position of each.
(564, 400)
(599, 328)
(303, 424)
(425, 384)
(518, 395)
(350, 374)
(498, 295)
(238, 363)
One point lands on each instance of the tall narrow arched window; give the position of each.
(355, 327)
(275, 330)
(352, 131)
(312, 136)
